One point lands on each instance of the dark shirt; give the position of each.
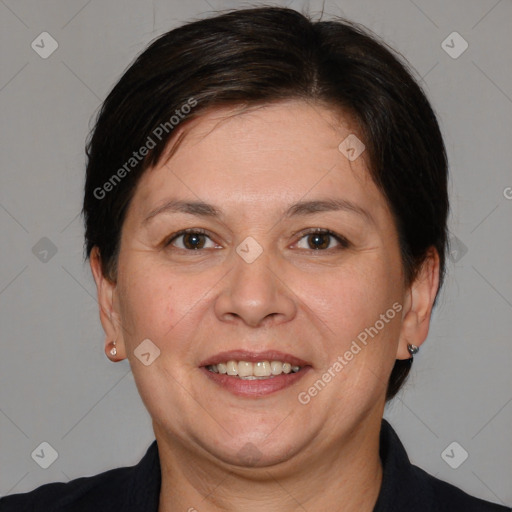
(405, 488)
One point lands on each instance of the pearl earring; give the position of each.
(413, 349)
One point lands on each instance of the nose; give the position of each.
(256, 293)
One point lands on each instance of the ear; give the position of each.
(418, 305)
(109, 315)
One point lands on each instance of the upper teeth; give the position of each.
(246, 369)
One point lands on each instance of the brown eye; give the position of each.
(193, 240)
(190, 240)
(321, 239)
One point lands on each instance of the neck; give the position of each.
(347, 473)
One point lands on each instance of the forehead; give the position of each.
(273, 154)
(293, 128)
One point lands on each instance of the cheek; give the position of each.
(352, 296)
(350, 302)
(146, 301)
(159, 303)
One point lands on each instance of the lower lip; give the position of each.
(257, 387)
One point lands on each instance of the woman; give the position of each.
(265, 211)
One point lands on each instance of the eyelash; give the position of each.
(344, 243)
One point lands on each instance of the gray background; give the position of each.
(56, 383)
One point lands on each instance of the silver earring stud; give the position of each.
(113, 351)
(413, 349)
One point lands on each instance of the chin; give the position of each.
(254, 451)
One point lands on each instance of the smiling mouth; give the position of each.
(257, 370)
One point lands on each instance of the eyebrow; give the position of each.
(328, 205)
(302, 208)
(197, 208)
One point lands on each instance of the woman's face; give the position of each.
(259, 281)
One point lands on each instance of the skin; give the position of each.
(308, 302)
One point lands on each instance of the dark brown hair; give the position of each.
(253, 57)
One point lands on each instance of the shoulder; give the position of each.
(408, 488)
(448, 498)
(117, 489)
(80, 494)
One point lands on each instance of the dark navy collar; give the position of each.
(144, 492)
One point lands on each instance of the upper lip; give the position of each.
(247, 355)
